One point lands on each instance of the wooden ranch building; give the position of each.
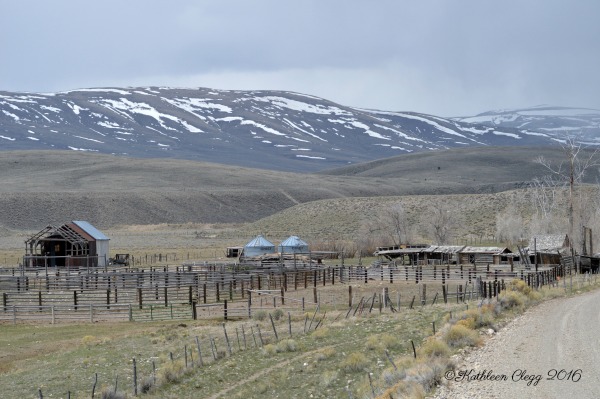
(484, 255)
(76, 243)
(549, 249)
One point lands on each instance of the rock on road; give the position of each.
(551, 351)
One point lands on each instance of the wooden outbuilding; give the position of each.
(76, 243)
(441, 254)
(549, 249)
(484, 255)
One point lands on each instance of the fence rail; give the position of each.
(162, 293)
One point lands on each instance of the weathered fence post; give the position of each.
(249, 304)
(135, 385)
(274, 329)
(227, 339)
(199, 351)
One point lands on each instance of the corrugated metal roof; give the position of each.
(259, 241)
(548, 242)
(483, 250)
(446, 249)
(91, 230)
(293, 241)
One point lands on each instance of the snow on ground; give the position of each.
(302, 106)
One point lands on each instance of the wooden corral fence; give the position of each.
(197, 291)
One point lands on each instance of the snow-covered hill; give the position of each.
(557, 122)
(261, 129)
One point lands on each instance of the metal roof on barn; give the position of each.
(550, 242)
(91, 230)
(444, 249)
(485, 250)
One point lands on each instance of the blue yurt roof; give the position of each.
(259, 241)
(293, 241)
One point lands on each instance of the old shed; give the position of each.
(75, 243)
(484, 255)
(549, 249)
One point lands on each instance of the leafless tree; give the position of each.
(510, 226)
(398, 225)
(568, 174)
(440, 219)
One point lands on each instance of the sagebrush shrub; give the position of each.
(434, 347)
(512, 300)
(355, 361)
(458, 336)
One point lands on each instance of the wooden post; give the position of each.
(249, 304)
(349, 296)
(333, 275)
(199, 351)
(227, 339)
(225, 309)
(274, 329)
(135, 385)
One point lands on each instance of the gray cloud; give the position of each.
(443, 57)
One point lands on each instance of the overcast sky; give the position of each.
(444, 57)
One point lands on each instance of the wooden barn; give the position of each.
(405, 255)
(549, 248)
(484, 255)
(76, 243)
(441, 254)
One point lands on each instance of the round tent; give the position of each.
(259, 246)
(293, 245)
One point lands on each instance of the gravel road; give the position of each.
(551, 351)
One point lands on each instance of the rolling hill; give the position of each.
(41, 187)
(270, 130)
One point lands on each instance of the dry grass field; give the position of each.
(166, 205)
(193, 211)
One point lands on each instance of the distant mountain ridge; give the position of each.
(258, 129)
(545, 119)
